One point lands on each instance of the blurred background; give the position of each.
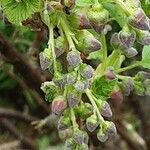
(22, 104)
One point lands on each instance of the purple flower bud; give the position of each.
(45, 62)
(109, 74)
(71, 77)
(115, 41)
(59, 46)
(131, 52)
(92, 123)
(58, 105)
(79, 20)
(73, 58)
(127, 86)
(102, 137)
(60, 80)
(81, 85)
(144, 37)
(72, 99)
(139, 20)
(87, 71)
(117, 95)
(127, 39)
(80, 137)
(105, 109)
(87, 43)
(111, 130)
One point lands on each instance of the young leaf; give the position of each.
(19, 11)
(146, 57)
(102, 87)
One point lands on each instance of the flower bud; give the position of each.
(87, 43)
(142, 75)
(101, 136)
(81, 85)
(92, 123)
(111, 129)
(139, 20)
(73, 58)
(73, 98)
(147, 86)
(87, 71)
(109, 74)
(84, 110)
(117, 95)
(131, 52)
(45, 59)
(64, 134)
(71, 77)
(58, 105)
(70, 144)
(105, 109)
(83, 147)
(80, 137)
(79, 20)
(144, 37)
(98, 17)
(59, 46)
(63, 123)
(127, 38)
(60, 80)
(139, 88)
(115, 41)
(126, 86)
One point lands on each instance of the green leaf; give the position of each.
(102, 88)
(146, 57)
(19, 11)
(116, 13)
(84, 3)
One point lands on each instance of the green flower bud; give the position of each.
(78, 20)
(69, 3)
(143, 37)
(92, 123)
(63, 123)
(65, 134)
(101, 136)
(70, 144)
(139, 88)
(111, 129)
(73, 58)
(84, 110)
(87, 43)
(58, 105)
(142, 75)
(83, 147)
(98, 17)
(139, 20)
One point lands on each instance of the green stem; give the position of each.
(104, 46)
(123, 6)
(128, 67)
(73, 119)
(115, 54)
(68, 34)
(51, 46)
(90, 96)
